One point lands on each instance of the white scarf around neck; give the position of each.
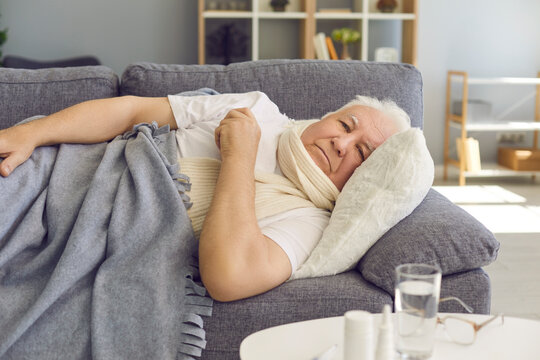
(304, 184)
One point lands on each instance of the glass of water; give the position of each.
(416, 304)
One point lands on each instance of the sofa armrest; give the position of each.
(436, 232)
(24, 93)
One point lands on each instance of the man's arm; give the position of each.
(236, 259)
(88, 122)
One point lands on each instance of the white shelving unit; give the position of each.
(307, 12)
(365, 13)
(506, 126)
(460, 122)
(495, 170)
(255, 15)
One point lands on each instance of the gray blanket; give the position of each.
(97, 254)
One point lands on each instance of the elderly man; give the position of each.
(265, 213)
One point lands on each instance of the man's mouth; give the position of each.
(326, 157)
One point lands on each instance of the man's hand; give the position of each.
(238, 135)
(16, 145)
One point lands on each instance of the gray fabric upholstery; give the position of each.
(314, 298)
(436, 232)
(25, 93)
(302, 89)
(473, 287)
(296, 300)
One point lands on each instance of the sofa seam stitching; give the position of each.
(228, 69)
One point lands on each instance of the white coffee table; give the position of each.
(516, 339)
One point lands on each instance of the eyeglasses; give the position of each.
(463, 331)
(459, 330)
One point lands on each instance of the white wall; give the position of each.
(483, 37)
(118, 32)
(486, 38)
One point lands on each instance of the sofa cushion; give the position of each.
(302, 89)
(24, 93)
(472, 287)
(296, 300)
(386, 188)
(314, 298)
(436, 232)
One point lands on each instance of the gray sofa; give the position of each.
(437, 232)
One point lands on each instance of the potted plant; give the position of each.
(345, 36)
(386, 6)
(3, 39)
(279, 5)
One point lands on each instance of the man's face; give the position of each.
(341, 142)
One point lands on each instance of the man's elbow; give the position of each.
(223, 296)
(225, 284)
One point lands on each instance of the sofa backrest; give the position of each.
(24, 93)
(302, 89)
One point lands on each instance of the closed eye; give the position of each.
(361, 152)
(345, 126)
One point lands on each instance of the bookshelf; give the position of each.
(296, 27)
(460, 123)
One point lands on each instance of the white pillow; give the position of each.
(388, 186)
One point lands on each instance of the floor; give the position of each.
(510, 208)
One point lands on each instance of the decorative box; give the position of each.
(519, 158)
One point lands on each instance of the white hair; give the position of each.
(400, 118)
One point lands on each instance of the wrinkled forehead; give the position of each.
(375, 125)
(364, 110)
(377, 118)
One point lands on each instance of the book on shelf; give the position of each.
(470, 150)
(331, 48)
(321, 49)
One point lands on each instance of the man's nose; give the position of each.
(341, 144)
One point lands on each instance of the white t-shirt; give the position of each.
(296, 231)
